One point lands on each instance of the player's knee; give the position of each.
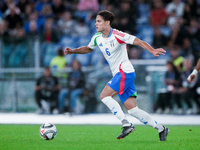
(102, 96)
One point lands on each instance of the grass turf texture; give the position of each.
(98, 137)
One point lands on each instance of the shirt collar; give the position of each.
(109, 35)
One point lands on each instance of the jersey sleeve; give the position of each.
(123, 37)
(93, 42)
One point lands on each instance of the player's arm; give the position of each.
(80, 50)
(194, 72)
(145, 45)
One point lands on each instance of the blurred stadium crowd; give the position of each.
(162, 23)
(171, 24)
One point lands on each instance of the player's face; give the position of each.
(100, 23)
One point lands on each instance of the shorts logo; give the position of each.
(110, 82)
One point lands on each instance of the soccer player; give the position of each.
(112, 44)
(194, 72)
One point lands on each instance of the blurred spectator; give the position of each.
(71, 5)
(164, 103)
(172, 19)
(76, 84)
(40, 4)
(176, 58)
(143, 8)
(127, 17)
(27, 12)
(104, 4)
(1, 16)
(3, 29)
(21, 4)
(88, 5)
(4, 6)
(177, 6)
(159, 39)
(45, 13)
(49, 33)
(194, 30)
(58, 64)
(134, 53)
(116, 21)
(46, 92)
(11, 4)
(58, 8)
(178, 36)
(81, 29)
(190, 11)
(33, 18)
(18, 33)
(194, 35)
(158, 16)
(187, 90)
(66, 24)
(110, 7)
(33, 28)
(13, 18)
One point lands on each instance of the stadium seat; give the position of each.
(144, 13)
(68, 41)
(145, 33)
(84, 59)
(70, 59)
(83, 41)
(97, 57)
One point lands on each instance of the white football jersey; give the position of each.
(114, 49)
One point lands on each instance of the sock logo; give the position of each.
(142, 120)
(114, 112)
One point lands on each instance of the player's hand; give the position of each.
(67, 51)
(191, 78)
(159, 51)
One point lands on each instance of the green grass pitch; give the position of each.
(98, 137)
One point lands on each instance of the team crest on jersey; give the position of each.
(112, 43)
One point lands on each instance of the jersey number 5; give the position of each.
(107, 51)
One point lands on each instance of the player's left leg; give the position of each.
(144, 117)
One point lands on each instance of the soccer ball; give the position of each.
(48, 131)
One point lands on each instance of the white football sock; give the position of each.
(145, 118)
(115, 108)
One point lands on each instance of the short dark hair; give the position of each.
(60, 52)
(107, 15)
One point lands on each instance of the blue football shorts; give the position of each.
(123, 83)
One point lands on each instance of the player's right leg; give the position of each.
(113, 105)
